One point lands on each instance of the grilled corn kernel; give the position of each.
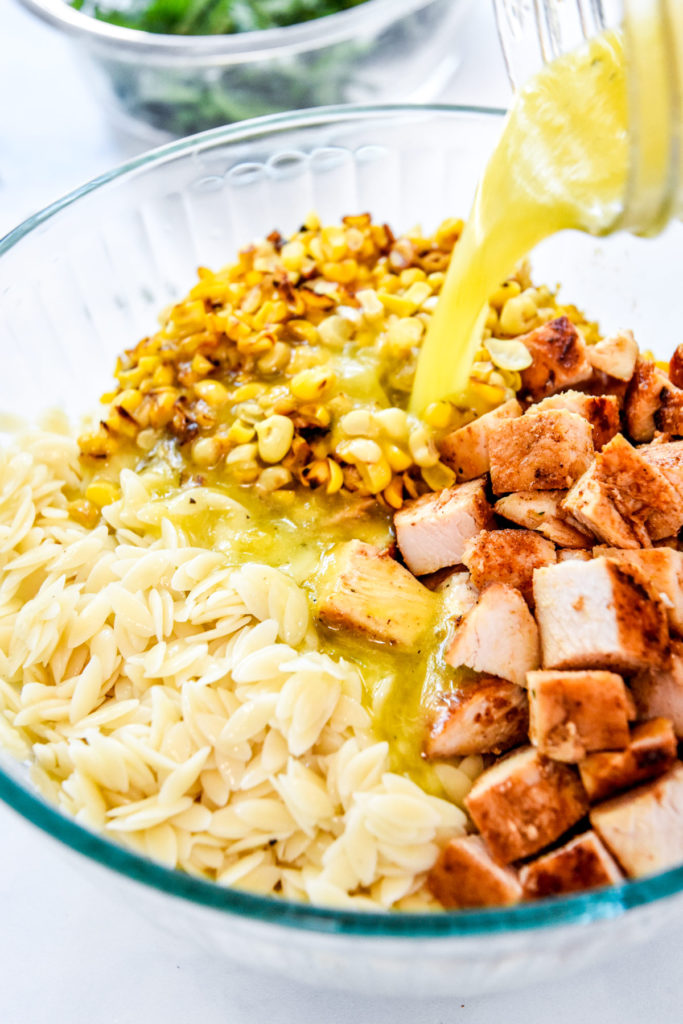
(206, 451)
(438, 414)
(360, 449)
(508, 290)
(336, 480)
(201, 365)
(518, 315)
(293, 255)
(242, 453)
(333, 243)
(241, 433)
(247, 392)
(397, 458)
(422, 447)
(438, 477)
(375, 475)
(84, 512)
(102, 492)
(273, 478)
(370, 305)
(335, 331)
(310, 385)
(393, 494)
(275, 436)
(276, 359)
(358, 423)
(393, 422)
(404, 334)
(212, 392)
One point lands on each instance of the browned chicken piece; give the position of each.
(582, 863)
(598, 615)
(644, 399)
(485, 717)
(499, 636)
(458, 594)
(559, 358)
(601, 411)
(507, 556)
(639, 491)
(524, 802)
(541, 511)
(661, 569)
(466, 450)
(365, 590)
(466, 875)
(432, 531)
(572, 713)
(650, 752)
(545, 452)
(643, 829)
(676, 367)
(659, 690)
(669, 419)
(667, 457)
(573, 555)
(590, 504)
(615, 356)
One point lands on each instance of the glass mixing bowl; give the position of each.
(165, 86)
(86, 278)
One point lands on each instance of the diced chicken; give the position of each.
(582, 863)
(669, 419)
(643, 829)
(639, 491)
(541, 511)
(661, 569)
(466, 450)
(524, 802)
(659, 690)
(615, 356)
(559, 358)
(432, 531)
(466, 875)
(644, 399)
(571, 713)
(668, 459)
(498, 636)
(591, 505)
(365, 590)
(676, 367)
(545, 452)
(573, 555)
(458, 594)
(598, 615)
(507, 556)
(488, 716)
(651, 751)
(601, 411)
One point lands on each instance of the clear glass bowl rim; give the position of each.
(600, 904)
(373, 15)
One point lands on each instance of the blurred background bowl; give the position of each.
(166, 86)
(87, 277)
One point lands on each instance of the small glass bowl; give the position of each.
(86, 277)
(166, 86)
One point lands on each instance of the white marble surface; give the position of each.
(68, 955)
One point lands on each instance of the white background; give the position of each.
(68, 954)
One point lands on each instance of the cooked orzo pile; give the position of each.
(262, 625)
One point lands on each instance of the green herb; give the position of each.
(210, 17)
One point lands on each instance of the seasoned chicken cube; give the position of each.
(676, 367)
(643, 829)
(615, 356)
(601, 411)
(524, 802)
(661, 569)
(432, 531)
(498, 636)
(466, 875)
(667, 457)
(659, 690)
(466, 450)
(541, 511)
(644, 399)
(639, 491)
(507, 556)
(365, 590)
(582, 863)
(598, 615)
(589, 502)
(559, 358)
(669, 419)
(573, 555)
(571, 713)
(488, 716)
(650, 752)
(458, 595)
(545, 452)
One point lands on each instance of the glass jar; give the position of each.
(533, 32)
